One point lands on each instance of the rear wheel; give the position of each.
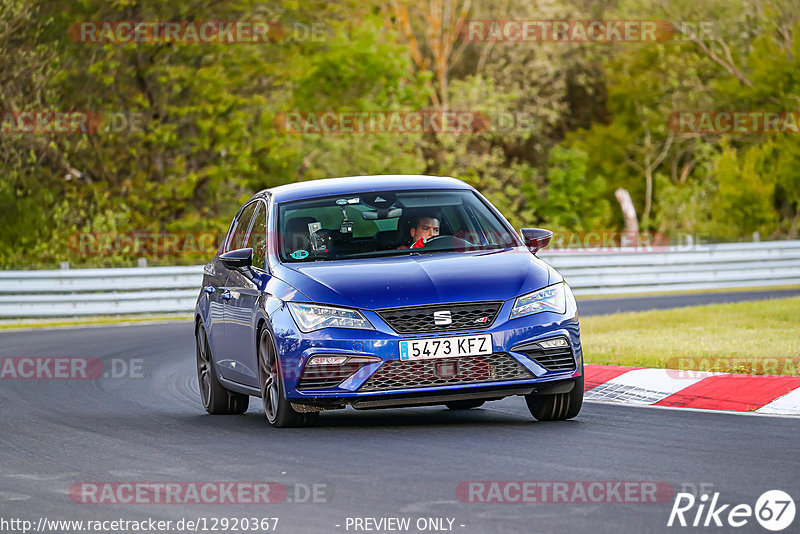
(464, 405)
(278, 410)
(216, 399)
(558, 406)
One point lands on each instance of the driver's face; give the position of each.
(426, 228)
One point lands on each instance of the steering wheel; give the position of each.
(447, 241)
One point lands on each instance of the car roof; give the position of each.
(360, 184)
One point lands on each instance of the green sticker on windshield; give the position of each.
(300, 254)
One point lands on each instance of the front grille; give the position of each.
(419, 319)
(397, 374)
(557, 359)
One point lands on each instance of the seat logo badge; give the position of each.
(442, 318)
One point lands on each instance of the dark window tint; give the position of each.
(258, 238)
(238, 236)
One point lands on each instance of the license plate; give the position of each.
(445, 347)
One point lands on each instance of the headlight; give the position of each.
(310, 317)
(551, 299)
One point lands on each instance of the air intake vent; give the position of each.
(397, 374)
(556, 359)
(331, 375)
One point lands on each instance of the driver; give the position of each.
(423, 227)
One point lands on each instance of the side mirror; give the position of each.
(238, 260)
(536, 238)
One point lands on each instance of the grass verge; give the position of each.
(757, 337)
(91, 320)
(684, 292)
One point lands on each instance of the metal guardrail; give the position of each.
(174, 289)
(680, 268)
(71, 292)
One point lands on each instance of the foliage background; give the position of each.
(209, 141)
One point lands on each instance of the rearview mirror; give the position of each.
(240, 259)
(381, 214)
(536, 238)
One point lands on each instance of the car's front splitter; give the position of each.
(438, 395)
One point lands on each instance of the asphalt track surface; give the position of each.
(384, 463)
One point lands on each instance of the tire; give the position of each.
(278, 410)
(464, 404)
(559, 406)
(216, 399)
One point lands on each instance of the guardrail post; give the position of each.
(142, 262)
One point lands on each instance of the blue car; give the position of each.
(378, 292)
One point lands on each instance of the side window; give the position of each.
(495, 234)
(239, 230)
(258, 238)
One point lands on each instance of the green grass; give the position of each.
(91, 320)
(757, 337)
(684, 292)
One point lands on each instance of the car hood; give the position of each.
(420, 279)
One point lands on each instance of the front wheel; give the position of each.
(278, 410)
(216, 399)
(557, 406)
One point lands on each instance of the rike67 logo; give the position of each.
(774, 510)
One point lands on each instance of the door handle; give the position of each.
(209, 289)
(227, 295)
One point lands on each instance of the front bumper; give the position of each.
(433, 398)
(520, 372)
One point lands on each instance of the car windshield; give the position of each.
(388, 223)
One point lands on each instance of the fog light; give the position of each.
(553, 343)
(327, 360)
